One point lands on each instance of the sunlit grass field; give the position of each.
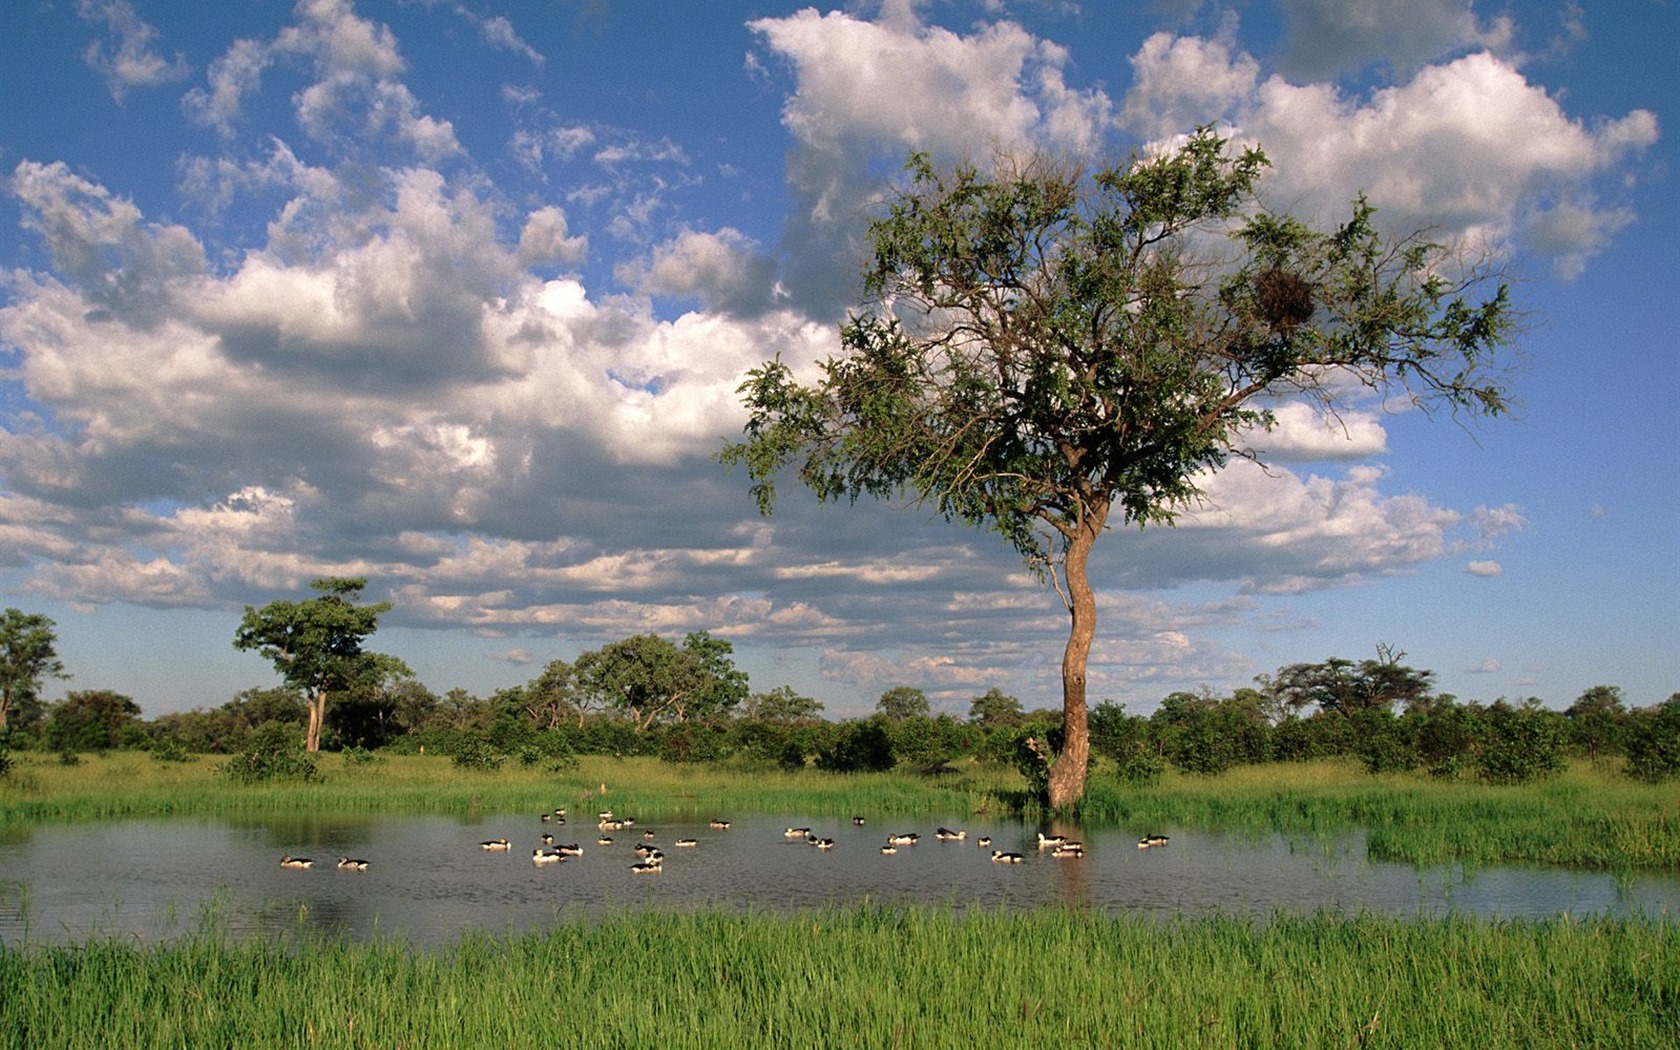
(1588, 817)
(878, 977)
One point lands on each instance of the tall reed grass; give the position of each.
(877, 977)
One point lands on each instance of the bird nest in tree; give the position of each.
(1284, 299)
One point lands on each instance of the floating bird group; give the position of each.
(650, 858)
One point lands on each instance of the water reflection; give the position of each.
(429, 882)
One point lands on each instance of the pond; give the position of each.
(428, 881)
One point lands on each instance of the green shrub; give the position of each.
(1652, 742)
(273, 752)
(859, 747)
(169, 749)
(1126, 740)
(1387, 744)
(1521, 744)
(478, 755)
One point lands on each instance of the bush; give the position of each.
(478, 755)
(859, 747)
(170, 749)
(1387, 744)
(1520, 744)
(694, 742)
(1652, 742)
(361, 756)
(272, 753)
(1127, 741)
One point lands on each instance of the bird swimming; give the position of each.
(1001, 857)
(493, 844)
(352, 864)
(289, 861)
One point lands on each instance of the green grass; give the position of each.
(877, 977)
(1588, 817)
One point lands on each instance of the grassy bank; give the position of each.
(878, 978)
(1587, 817)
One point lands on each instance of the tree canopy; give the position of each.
(28, 653)
(649, 679)
(1041, 351)
(316, 645)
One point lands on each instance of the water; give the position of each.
(429, 882)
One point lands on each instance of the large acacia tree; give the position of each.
(1044, 351)
(316, 645)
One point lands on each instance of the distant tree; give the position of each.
(725, 686)
(92, 720)
(1339, 686)
(648, 679)
(782, 704)
(902, 701)
(550, 700)
(412, 704)
(1044, 351)
(255, 706)
(316, 645)
(28, 654)
(1597, 721)
(995, 707)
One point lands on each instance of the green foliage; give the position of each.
(94, 720)
(28, 654)
(1597, 722)
(1520, 744)
(478, 755)
(1040, 349)
(929, 743)
(1127, 741)
(1343, 687)
(695, 742)
(1386, 742)
(648, 679)
(858, 747)
(902, 701)
(1653, 742)
(995, 707)
(272, 753)
(1206, 736)
(782, 704)
(316, 645)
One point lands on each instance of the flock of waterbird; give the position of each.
(650, 858)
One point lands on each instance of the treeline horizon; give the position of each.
(647, 696)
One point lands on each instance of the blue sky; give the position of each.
(456, 295)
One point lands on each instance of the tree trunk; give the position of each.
(1067, 773)
(317, 715)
